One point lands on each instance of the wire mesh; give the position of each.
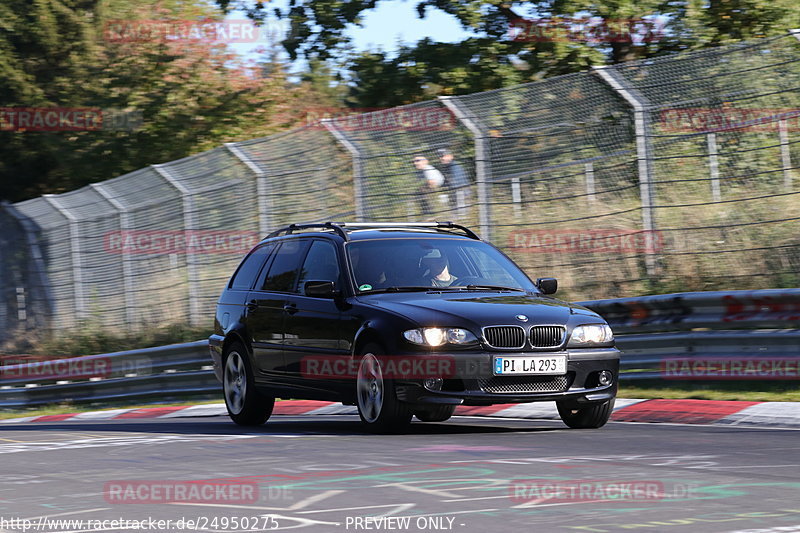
(415, 163)
(563, 187)
(725, 143)
(308, 176)
(562, 160)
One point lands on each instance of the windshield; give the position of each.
(425, 263)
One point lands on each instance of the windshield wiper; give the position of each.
(492, 288)
(399, 289)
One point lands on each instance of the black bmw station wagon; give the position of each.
(404, 320)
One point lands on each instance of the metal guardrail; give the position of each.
(767, 308)
(662, 325)
(177, 371)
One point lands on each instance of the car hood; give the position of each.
(477, 308)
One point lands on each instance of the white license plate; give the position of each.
(513, 365)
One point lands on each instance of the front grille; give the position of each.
(512, 384)
(505, 336)
(547, 336)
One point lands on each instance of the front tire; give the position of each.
(589, 417)
(246, 406)
(378, 406)
(435, 413)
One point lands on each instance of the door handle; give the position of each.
(252, 305)
(290, 308)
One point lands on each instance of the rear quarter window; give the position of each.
(285, 267)
(245, 275)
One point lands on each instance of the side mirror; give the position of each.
(547, 285)
(319, 289)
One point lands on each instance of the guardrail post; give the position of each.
(358, 170)
(127, 268)
(189, 225)
(482, 169)
(265, 222)
(644, 155)
(75, 254)
(713, 167)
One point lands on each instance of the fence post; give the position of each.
(786, 155)
(127, 269)
(482, 169)
(713, 167)
(75, 254)
(358, 170)
(644, 155)
(189, 225)
(265, 222)
(590, 187)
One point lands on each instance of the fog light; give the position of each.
(434, 383)
(605, 378)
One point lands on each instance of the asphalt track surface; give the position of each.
(325, 473)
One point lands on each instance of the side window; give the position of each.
(320, 264)
(249, 268)
(285, 266)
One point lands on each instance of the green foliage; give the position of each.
(489, 58)
(94, 338)
(192, 95)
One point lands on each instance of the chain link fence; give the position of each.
(654, 176)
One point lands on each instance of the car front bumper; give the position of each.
(473, 382)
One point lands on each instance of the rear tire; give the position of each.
(435, 413)
(589, 417)
(378, 406)
(246, 406)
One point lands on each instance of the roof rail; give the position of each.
(288, 230)
(338, 227)
(440, 225)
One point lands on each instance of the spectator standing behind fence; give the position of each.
(431, 181)
(455, 179)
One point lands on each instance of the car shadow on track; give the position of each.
(289, 425)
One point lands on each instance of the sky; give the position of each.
(392, 22)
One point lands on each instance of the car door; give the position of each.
(312, 324)
(268, 303)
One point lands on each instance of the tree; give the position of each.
(491, 58)
(192, 95)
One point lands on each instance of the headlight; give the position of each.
(439, 336)
(590, 335)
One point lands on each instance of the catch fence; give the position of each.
(668, 174)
